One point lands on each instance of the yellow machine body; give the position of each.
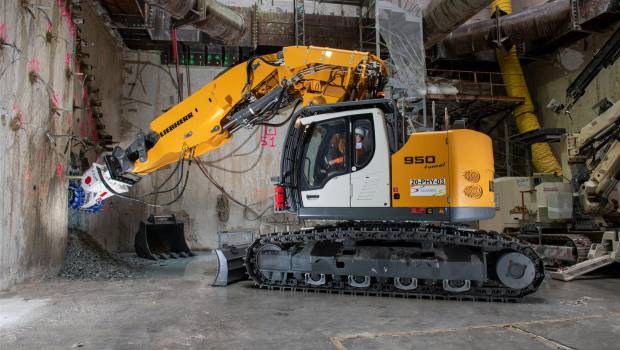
(444, 169)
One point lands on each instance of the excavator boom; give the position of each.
(243, 96)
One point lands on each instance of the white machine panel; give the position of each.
(336, 193)
(371, 184)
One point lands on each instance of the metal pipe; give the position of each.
(176, 8)
(537, 22)
(221, 22)
(448, 15)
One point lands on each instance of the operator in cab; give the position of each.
(335, 154)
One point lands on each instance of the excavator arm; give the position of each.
(243, 96)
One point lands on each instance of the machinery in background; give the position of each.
(347, 157)
(606, 56)
(540, 210)
(563, 216)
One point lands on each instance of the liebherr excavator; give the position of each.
(399, 199)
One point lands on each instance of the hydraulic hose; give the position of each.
(542, 157)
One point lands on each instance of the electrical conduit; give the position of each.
(542, 157)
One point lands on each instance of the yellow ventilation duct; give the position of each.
(542, 157)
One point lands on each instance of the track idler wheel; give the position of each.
(515, 270)
(359, 281)
(405, 283)
(315, 279)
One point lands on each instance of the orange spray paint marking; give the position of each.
(3, 36)
(64, 12)
(83, 129)
(34, 65)
(268, 138)
(59, 169)
(55, 100)
(27, 175)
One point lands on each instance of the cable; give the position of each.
(249, 71)
(175, 53)
(107, 186)
(277, 125)
(260, 155)
(179, 163)
(186, 51)
(232, 153)
(228, 195)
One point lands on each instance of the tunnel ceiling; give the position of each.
(141, 29)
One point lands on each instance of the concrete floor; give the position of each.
(176, 308)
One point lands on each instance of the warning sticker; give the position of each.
(428, 190)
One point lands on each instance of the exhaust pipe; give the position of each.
(447, 16)
(537, 22)
(220, 22)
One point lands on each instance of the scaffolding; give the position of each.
(299, 14)
(370, 40)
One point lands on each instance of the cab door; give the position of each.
(370, 161)
(325, 178)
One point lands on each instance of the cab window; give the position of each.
(325, 154)
(363, 142)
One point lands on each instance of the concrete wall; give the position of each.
(105, 65)
(33, 210)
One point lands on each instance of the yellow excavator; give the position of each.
(400, 200)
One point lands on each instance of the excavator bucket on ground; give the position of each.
(161, 237)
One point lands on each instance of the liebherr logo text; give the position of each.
(176, 124)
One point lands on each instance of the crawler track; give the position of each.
(491, 245)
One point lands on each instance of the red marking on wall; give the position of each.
(27, 175)
(83, 130)
(55, 100)
(49, 26)
(68, 58)
(69, 119)
(3, 36)
(268, 138)
(34, 65)
(59, 169)
(64, 12)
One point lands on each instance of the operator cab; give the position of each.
(343, 160)
(342, 166)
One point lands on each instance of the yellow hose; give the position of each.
(542, 157)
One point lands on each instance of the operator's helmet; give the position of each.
(360, 131)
